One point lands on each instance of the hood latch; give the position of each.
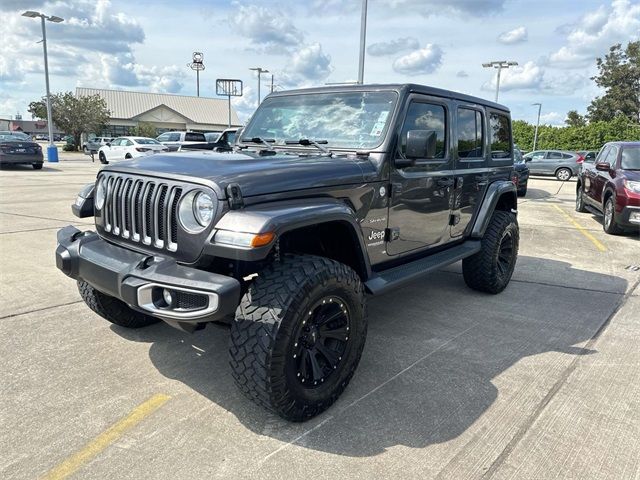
(234, 194)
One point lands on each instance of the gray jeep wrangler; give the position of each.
(330, 194)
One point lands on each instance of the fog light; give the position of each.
(167, 296)
(634, 217)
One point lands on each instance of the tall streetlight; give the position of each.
(499, 65)
(52, 151)
(197, 65)
(535, 136)
(260, 71)
(363, 41)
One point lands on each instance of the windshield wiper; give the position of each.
(305, 142)
(262, 141)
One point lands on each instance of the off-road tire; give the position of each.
(264, 334)
(484, 271)
(113, 309)
(580, 200)
(610, 226)
(102, 158)
(564, 174)
(37, 166)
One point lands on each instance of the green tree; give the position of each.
(74, 115)
(574, 119)
(145, 129)
(619, 75)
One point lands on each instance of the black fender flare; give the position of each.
(495, 192)
(281, 217)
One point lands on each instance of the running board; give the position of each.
(593, 210)
(394, 277)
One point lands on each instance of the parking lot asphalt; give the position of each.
(541, 381)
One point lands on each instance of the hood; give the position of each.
(256, 174)
(631, 175)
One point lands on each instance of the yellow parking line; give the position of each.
(102, 441)
(582, 230)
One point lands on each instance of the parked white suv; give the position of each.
(173, 140)
(124, 148)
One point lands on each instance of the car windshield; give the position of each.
(147, 141)
(630, 158)
(14, 137)
(344, 120)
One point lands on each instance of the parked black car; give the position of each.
(18, 148)
(521, 170)
(331, 194)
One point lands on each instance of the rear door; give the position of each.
(471, 162)
(536, 162)
(551, 162)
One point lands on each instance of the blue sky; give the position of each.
(145, 46)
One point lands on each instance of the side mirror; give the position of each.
(108, 144)
(603, 166)
(421, 144)
(527, 159)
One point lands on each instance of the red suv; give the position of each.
(611, 186)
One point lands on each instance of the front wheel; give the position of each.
(491, 268)
(580, 200)
(298, 335)
(563, 174)
(522, 191)
(102, 158)
(609, 224)
(37, 166)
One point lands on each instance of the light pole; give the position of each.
(52, 150)
(363, 41)
(260, 71)
(499, 65)
(535, 136)
(197, 65)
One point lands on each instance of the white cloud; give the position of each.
(423, 61)
(311, 63)
(267, 29)
(596, 31)
(525, 77)
(517, 35)
(393, 46)
(462, 74)
(552, 118)
(450, 7)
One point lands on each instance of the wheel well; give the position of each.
(507, 202)
(336, 240)
(563, 168)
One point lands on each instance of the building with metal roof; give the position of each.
(165, 111)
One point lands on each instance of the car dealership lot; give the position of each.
(540, 381)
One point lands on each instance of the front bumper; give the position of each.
(133, 277)
(629, 217)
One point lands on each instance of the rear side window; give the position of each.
(425, 116)
(194, 137)
(470, 133)
(500, 136)
(566, 155)
(554, 155)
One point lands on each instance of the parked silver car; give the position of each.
(173, 140)
(560, 163)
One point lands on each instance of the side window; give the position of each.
(174, 137)
(163, 138)
(425, 116)
(612, 156)
(126, 143)
(554, 155)
(603, 154)
(116, 142)
(566, 156)
(470, 137)
(500, 136)
(194, 137)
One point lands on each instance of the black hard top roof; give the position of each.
(398, 87)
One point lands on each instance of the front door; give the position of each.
(421, 193)
(536, 164)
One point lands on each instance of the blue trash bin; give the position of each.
(52, 154)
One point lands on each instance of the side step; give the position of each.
(394, 277)
(593, 210)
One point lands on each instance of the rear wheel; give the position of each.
(113, 309)
(522, 191)
(563, 174)
(491, 268)
(128, 156)
(102, 158)
(609, 223)
(580, 200)
(37, 166)
(298, 335)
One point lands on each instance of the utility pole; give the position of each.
(260, 71)
(52, 150)
(499, 65)
(535, 136)
(271, 83)
(197, 65)
(363, 41)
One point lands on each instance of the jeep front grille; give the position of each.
(142, 210)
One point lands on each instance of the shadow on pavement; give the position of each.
(461, 340)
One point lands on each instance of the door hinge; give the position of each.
(392, 234)
(235, 196)
(454, 219)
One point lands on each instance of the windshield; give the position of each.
(344, 120)
(630, 158)
(14, 137)
(147, 141)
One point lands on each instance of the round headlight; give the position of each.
(196, 211)
(100, 194)
(203, 208)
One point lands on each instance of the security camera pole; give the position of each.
(52, 150)
(197, 65)
(499, 65)
(260, 71)
(535, 136)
